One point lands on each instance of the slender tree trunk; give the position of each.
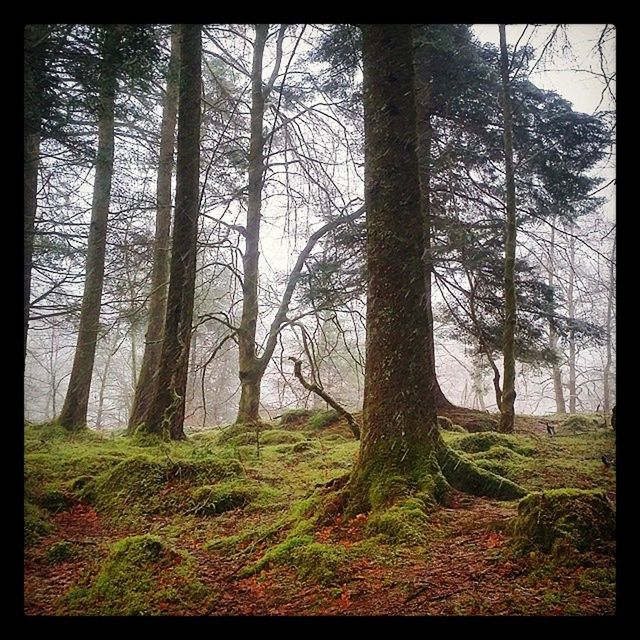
(31, 162)
(572, 340)
(161, 252)
(507, 415)
(166, 413)
(249, 366)
(103, 386)
(74, 410)
(607, 367)
(399, 429)
(553, 338)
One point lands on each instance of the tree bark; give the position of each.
(553, 338)
(507, 409)
(573, 395)
(606, 391)
(74, 410)
(399, 427)
(161, 252)
(166, 412)
(249, 365)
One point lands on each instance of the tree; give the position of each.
(166, 413)
(160, 269)
(507, 406)
(74, 410)
(401, 452)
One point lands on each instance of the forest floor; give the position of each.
(121, 526)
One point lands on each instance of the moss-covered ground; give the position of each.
(242, 521)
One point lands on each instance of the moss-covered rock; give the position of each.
(581, 423)
(446, 424)
(295, 417)
(480, 424)
(498, 452)
(54, 500)
(279, 436)
(477, 442)
(129, 580)
(322, 419)
(61, 551)
(35, 523)
(552, 520)
(242, 433)
(214, 499)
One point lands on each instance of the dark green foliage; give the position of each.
(60, 552)
(35, 523)
(554, 520)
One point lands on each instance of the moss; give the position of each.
(54, 500)
(446, 424)
(139, 484)
(242, 433)
(281, 437)
(127, 583)
(476, 442)
(35, 523)
(60, 552)
(552, 520)
(466, 476)
(581, 423)
(225, 496)
(499, 452)
(305, 445)
(322, 419)
(481, 424)
(295, 416)
(404, 522)
(312, 560)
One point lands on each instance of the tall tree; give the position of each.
(161, 255)
(249, 369)
(74, 410)
(166, 412)
(507, 407)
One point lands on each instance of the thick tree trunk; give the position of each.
(507, 413)
(161, 255)
(74, 410)
(166, 413)
(573, 395)
(553, 337)
(249, 366)
(399, 430)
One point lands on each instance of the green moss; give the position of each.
(54, 500)
(35, 523)
(322, 419)
(480, 424)
(127, 583)
(281, 437)
(60, 552)
(498, 452)
(404, 522)
(552, 520)
(581, 423)
(295, 416)
(312, 561)
(243, 433)
(464, 475)
(446, 424)
(476, 442)
(141, 484)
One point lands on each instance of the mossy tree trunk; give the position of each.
(74, 410)
(249, 365)
(507, 406)
(399, 431)
(166, 413)
(161, 254)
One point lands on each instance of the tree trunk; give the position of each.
(572, 340)
(249, 366)
(507, 413)
(166, 412)
(32, 119)
(553, 338)
(399, 430)
(161, 255)
(606, 392)
(74, 410)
